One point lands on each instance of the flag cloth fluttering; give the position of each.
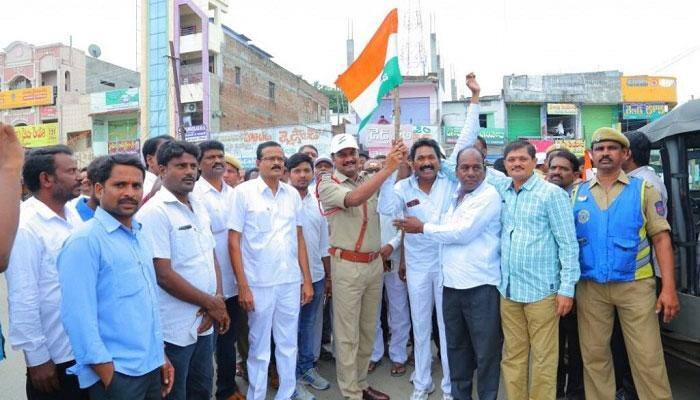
(375, 72)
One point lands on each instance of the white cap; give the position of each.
(343, 141)
(323, 159)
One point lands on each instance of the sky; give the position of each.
(492, 38)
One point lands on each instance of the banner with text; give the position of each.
(376, 138)
(576, 146)
(37, 135)
(243, 144)
(19, 98)
(114, 100)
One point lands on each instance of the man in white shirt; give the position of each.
(426, 195)
(315, 227)
(469, 237)
(149, 149)
(268, 254)
(217, 198)
(34, 297)
(177, 225)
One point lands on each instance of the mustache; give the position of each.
(129, 201)
(218, 165)
(605, 158)
(427, 167)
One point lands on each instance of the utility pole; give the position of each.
(178, 103)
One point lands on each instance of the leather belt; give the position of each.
(353, 256)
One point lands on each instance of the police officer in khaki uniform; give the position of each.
(349, 199)
(618, 219)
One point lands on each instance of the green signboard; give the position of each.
(493, 136)
(122, 97)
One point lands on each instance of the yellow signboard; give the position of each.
(37, 135)
(18, 98)
(648, 89)
(562, 109)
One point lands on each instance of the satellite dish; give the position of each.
(94, 50)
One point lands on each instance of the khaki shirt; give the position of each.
(345, 224)
(654, 209)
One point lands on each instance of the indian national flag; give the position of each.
(375, 72)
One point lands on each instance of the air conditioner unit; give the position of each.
(190, 107)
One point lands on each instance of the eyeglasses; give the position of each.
(273, 159)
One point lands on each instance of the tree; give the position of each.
(336, 99)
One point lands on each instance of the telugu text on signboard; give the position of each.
(19, 98)
(243, 144)
(37, 135)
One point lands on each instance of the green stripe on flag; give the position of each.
(391, 78)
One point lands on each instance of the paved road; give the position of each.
(685, 379)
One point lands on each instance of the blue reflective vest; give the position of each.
(613, 243)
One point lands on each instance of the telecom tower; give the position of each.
(412, 56)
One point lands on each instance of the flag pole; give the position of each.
(397, 114)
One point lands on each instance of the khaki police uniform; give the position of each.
(356, 272)
(635, 302)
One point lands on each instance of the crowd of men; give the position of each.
(168, 269)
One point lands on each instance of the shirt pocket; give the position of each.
(128, 282)
(261, 220)
(185, 245)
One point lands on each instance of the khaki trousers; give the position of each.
(635, 303)
(357, 291)
(530, 328)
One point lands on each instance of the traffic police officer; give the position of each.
(349, 198)
(618, 218)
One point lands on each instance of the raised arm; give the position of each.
(11, 160)
(363, 192)
(470, 129)
(334, 196)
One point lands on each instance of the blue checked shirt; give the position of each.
(539, 251)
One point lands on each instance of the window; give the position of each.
(67, 81)
(271, 91)
(237, 72)
(482, 120)
(20, 82)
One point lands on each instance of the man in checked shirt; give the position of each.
(539, 270)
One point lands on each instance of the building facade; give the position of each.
(256, 92)
(45, 93)
(573, 106)
(225, 82)
(646, 98)
(492, 122)
(183, 38)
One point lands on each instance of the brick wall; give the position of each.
(248, 104)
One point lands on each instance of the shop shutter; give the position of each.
(594, 117)
(523, 120)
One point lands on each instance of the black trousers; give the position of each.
(69, 387)
(225, 353)
(125, 387)
(570, 368)
(474, 340)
